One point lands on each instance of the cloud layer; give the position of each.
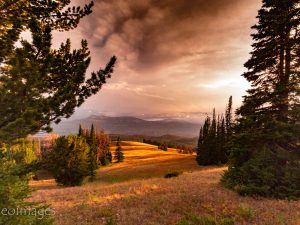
(173, 55)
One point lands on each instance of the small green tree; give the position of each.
(80, 131)
(14, 191)
(119, 156)
(68, 160)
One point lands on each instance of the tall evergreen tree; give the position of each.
(213, 128)
(119, 155)
(223, 142)
(92, 155)
(92, 136)
(41, 85)
(228, 117)
(80, 131)
(203, 149)
(228, 123)
(265, 153)
(213, 141)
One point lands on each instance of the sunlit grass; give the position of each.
(135, 192)
(143, 161)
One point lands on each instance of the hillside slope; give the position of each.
(146, 161)
(134, 192)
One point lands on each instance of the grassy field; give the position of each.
(135, 192)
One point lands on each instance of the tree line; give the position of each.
(264, 142)
(214, 137)
(184, 149)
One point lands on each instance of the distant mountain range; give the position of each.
(131, 126)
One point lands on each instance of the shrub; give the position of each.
(172, 174)
(163, 147)
(68, 161)
(262, 175)
(245, 212)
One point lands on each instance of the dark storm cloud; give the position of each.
(173, 55)
(151, 33)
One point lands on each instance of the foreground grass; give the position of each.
(123, 196)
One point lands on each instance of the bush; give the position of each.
(68, 161)
(172, 174)
(163, 147)
(268, 173)
(245, 212)
(105, 159)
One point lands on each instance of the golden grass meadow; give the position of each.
(135, 192)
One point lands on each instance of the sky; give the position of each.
(176, 58)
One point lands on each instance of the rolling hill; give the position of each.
(136, 192)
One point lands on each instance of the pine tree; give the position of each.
(108, 155)
(212, 142)
(223, 142)
(92, 134)
(68, 161)
(92, 155)
(228, 127)
(41, 85)
(265, 156)
(228, 117)
(203, 149)
(80, 131)
(119, 156)
(218, 142)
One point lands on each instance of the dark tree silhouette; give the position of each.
(265, 152)
(212, 148)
